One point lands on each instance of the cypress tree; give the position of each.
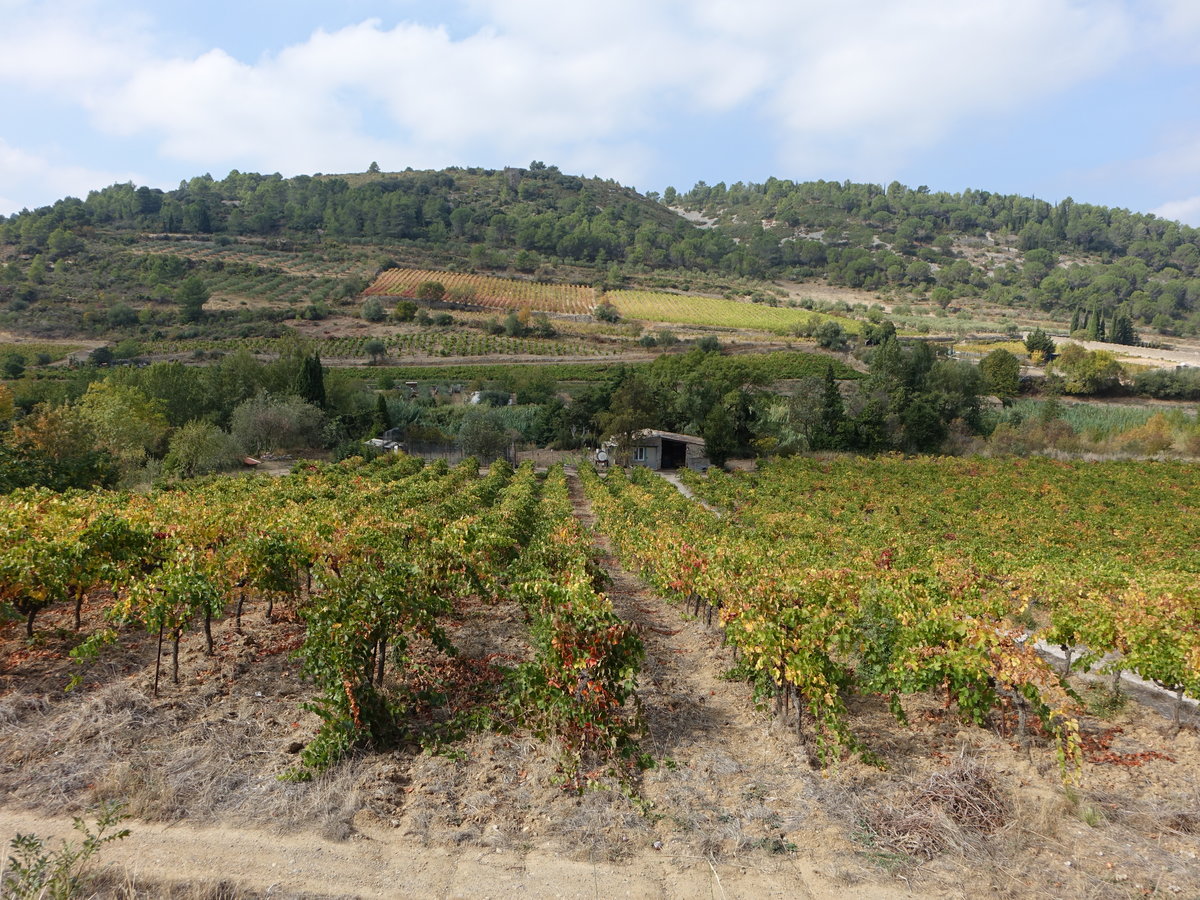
(383, 415)
(311, 383)
(1122, 329)
(833, 414)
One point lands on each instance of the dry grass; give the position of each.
(953, 809)
(118, 884)
(166, 761)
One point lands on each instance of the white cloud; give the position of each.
(1186, 211)
(69, 48)
(857, 86)
(367, 92)
(891, 78)
(27, 179)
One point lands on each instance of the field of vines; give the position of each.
(490, 292)
(31, 350)
(372, 558)
(423, 343)
(890, 577)
(684, 309)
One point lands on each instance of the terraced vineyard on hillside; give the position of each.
(489, 292)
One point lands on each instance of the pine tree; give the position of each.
(1039, 342)
(1076, 320)
(192, 295)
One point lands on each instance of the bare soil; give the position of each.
(732, 807)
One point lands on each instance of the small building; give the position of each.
(385, 446)
(668, 450)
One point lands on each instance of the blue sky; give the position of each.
(1094, 99)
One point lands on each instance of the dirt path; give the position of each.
(704, 727)
(258, 863)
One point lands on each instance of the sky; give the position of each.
(1098, 100)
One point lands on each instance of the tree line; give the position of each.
(1065, 257)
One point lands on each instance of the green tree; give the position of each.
(12, 365)
(63, 243)
(830, 335)
(720, 438)
(191, 296)
(376, 349)
(1087, 372)
(310, 383)
(56, 447)
(186, 392)
(833, 415)
(483, 435)
(405, 311)
(277, 423)
(606, 312)
(1001, 372)
(634, 405)
(1037, 341)
(513, 326)
(1122, 330)
(128, 425)
(201, 448)
(382, 420)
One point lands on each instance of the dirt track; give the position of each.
(379, 865)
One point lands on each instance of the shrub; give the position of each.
(277, 423)
(606, 312)
(430, 290)
(830, 335)
(201, 448)
(372, 310)
(405, 311)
